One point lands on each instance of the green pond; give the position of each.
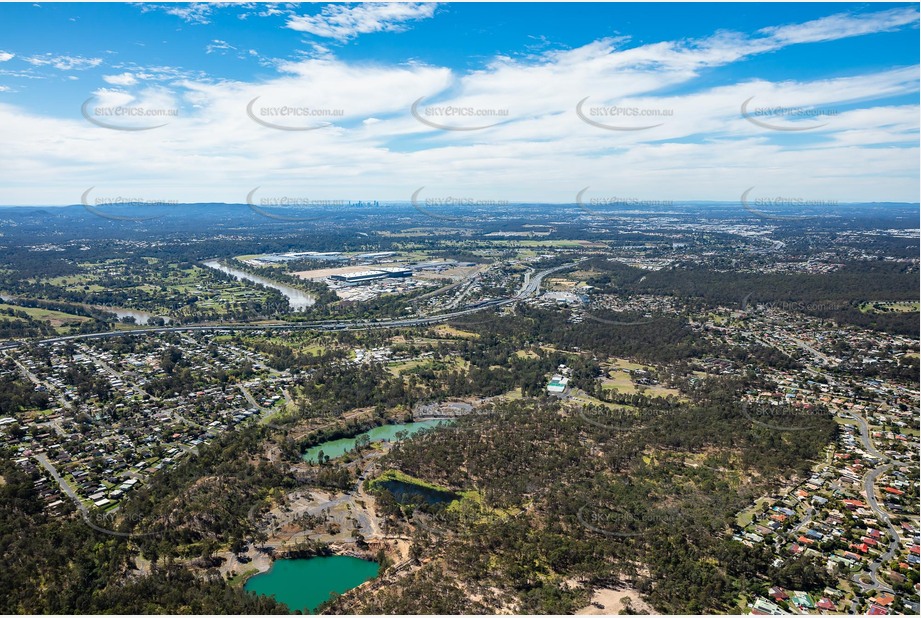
(384, 433)
(304, 583)
(406, 493)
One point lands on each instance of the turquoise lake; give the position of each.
(384, 433)
(304, 583)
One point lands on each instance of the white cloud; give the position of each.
(342, 22)
(6, 56)
(64, 63)
(271, 9)
(842, 25)
(212, 151)
(123, 79)
(217, 45)
(159, 73)
(194, 13)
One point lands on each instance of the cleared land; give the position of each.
(881, 306)
(323, 273)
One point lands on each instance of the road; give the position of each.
(250, 399)
(884, 463)
(807, 519)
(530, 287)
(805, 346)
(868, 445)
(869, 488)
(44, 462)
(869, 485)
(115, 374)
(48, 387)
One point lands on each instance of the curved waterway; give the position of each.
(298, 299)
(384, 433)
(140, 317)
(304, 583)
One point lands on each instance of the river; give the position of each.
(298, 299)
(140, 317)
(305, 583)
(383, 433)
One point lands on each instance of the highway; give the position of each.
(529, 288)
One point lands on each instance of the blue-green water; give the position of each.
(304, 583)
(384, 433)
(405, 493)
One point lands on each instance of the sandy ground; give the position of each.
(322, 273)
(143, 565)
(610, 598)
(457, 273)
(258, 560)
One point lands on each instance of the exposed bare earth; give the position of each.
(258, 560)
(457, 273)
(322, 273)
(612, 600)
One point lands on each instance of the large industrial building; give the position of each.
(366, 276)
(280, 258)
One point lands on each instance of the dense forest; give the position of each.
(62, 566)
(563, 498)
(15, 394)
(835, 295)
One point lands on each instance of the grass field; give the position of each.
(525, 354)
(580, 397)
(76, 283)
(882, 306)
(315, 349)
(745, 517)
(446, 330)
(449, 364)
(57, 318)
(512, 395)
(619, 379)
(400, 367)
(161, 288)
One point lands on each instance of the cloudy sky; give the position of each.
(204, 102)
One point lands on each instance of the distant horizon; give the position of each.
(383, 202)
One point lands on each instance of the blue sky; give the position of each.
(183, 101)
